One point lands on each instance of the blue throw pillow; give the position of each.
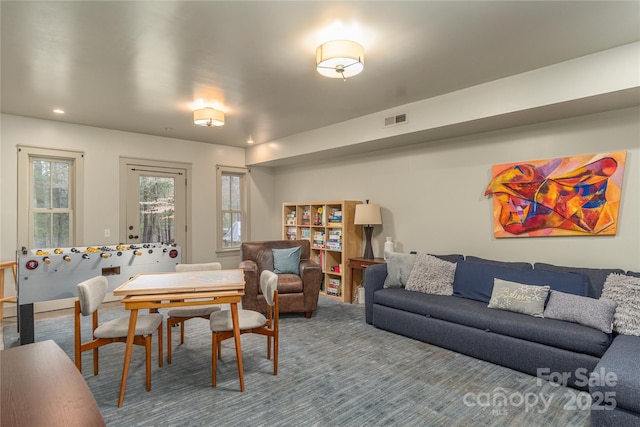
(286, 261)
(474, 280)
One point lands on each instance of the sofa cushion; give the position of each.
(288, 284)
(476, 314)
(617, 374)
(624, 290)
(474, 280)
(633, 274)
(514, 264)
(595, 313)
(286, 261)
(431, 275)
(399, 267)
(596, 276)
(519, 298)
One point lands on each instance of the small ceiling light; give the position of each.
(58, 110)
(208, 117)
(340, 59)
(250, 140)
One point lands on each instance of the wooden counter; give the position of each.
(41, 386)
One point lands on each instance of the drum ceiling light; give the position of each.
(340, 59)
(208, 117)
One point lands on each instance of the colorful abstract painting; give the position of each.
(558, 197)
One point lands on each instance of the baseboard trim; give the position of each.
(58, 304)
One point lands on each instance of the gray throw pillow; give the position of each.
(595, 313)
(286, 261)
(625, 291)
(399, 267)
(512, 296)
(431, 275)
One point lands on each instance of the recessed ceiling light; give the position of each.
(250, 140)
(58, 110)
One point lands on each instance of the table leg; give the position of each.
(133, 318)
(26, 325)
(236, 335)
(351, 288)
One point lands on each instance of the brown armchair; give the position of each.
(296, 293)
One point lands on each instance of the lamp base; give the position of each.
(368, 249)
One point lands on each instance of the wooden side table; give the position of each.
(360, 264)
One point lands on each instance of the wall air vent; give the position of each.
(395, 120)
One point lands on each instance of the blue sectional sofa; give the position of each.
(543, 347)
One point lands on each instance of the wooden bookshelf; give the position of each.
(333, 236)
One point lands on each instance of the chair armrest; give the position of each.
(374, 277)
(251, 280)
(311, 274)
(617, 376)
(307, 264)
(248, 265)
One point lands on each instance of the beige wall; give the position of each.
(432, 193)
(103, 149)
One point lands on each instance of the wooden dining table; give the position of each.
(161, 290)
(41, 386)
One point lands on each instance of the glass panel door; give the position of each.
(156, 205)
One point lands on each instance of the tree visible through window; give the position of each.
(50, 197)
(157, 209)
(232, 206)
(50, 208)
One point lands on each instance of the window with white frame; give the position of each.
(49, 197)
(232, 207)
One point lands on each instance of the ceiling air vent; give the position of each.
(395, 120)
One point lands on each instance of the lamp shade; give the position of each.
(367, 214)
(208, 117)
(340, 59)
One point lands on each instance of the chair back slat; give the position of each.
(198, 267)
(269, 285)
(91, 293)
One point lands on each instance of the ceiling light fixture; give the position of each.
(208, 117)
(58, 110)
(340, 59)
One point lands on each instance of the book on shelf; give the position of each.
(306, 216)
(335, 217)
(334, 241)
(318, 240)
(291, 218)
(305, 233)
(292, 233)
(334, 287)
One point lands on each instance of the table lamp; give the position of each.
(368, 215)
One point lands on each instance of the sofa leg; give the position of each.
(308, 314)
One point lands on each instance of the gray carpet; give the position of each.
(334, 370)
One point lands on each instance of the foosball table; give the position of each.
(54, 273)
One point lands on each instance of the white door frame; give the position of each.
(128, 162)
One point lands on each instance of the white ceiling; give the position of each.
(138, 66)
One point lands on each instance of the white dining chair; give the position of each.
(178, 315)
(250, 322)
(91, 294)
